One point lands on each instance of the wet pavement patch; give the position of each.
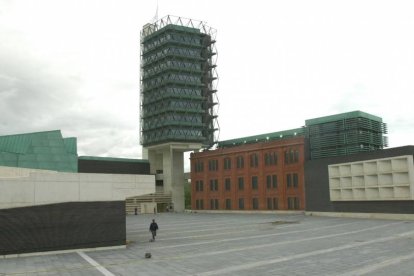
(277, 222)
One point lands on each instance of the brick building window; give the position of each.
(240, 162)
(199, 204)
(213, 185)
(213, 165)
(254, 183)
(289, 180)
(255, 203)
(227, 184)
(274, 181)
(275, 203)
(199, 186)
(271, 181)
(268, 181)
(241, 203)
(254, 160)
(198, 166)
(291, 156)
(270, 158)
(228, 204)
(292, 180)
(295, 180)
(272, 203)
(293, 203)
(241, 183)
(214, 204)
(227, 163)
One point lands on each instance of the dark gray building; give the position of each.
(379, 181)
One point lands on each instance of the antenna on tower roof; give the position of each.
(155, 18)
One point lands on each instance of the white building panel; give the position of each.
(375, 179)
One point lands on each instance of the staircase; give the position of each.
(163, 200)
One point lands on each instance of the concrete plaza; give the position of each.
(241, 244)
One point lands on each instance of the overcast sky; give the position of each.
(74, 65)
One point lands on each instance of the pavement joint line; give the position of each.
(95, 264)
(252, 228)
(267, 235)
(371, 268)
(202, 227)
(255, 229)
(274, 244)
(252, 265)
(215, 223)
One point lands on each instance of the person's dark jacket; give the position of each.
(153, 226)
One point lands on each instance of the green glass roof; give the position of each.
(342, 116)
(262, 137)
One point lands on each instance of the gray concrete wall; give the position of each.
(169, 158)
(27, 187)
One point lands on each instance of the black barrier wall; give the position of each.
(62, 226)
(113, 167)
(317, 186)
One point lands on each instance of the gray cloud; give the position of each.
(35, 96)
(31, 94)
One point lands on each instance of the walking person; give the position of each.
(153, 228)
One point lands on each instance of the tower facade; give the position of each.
(178, 97)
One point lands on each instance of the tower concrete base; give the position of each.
(167, 163)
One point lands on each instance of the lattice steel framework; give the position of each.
(345, 134)
(178, 82)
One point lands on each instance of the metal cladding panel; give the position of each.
(345, 134)
(15, 143)
(8, 157)
(342, 116)
(71, 145)
(41, 150)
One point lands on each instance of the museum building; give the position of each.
(335, 163)
(245, 174)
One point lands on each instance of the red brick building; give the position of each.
(263, 173)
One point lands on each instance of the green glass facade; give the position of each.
(178, 95)
(344, 134)
(46, 150)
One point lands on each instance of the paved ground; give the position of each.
(236, 244)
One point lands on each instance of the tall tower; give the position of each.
(178, 97)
